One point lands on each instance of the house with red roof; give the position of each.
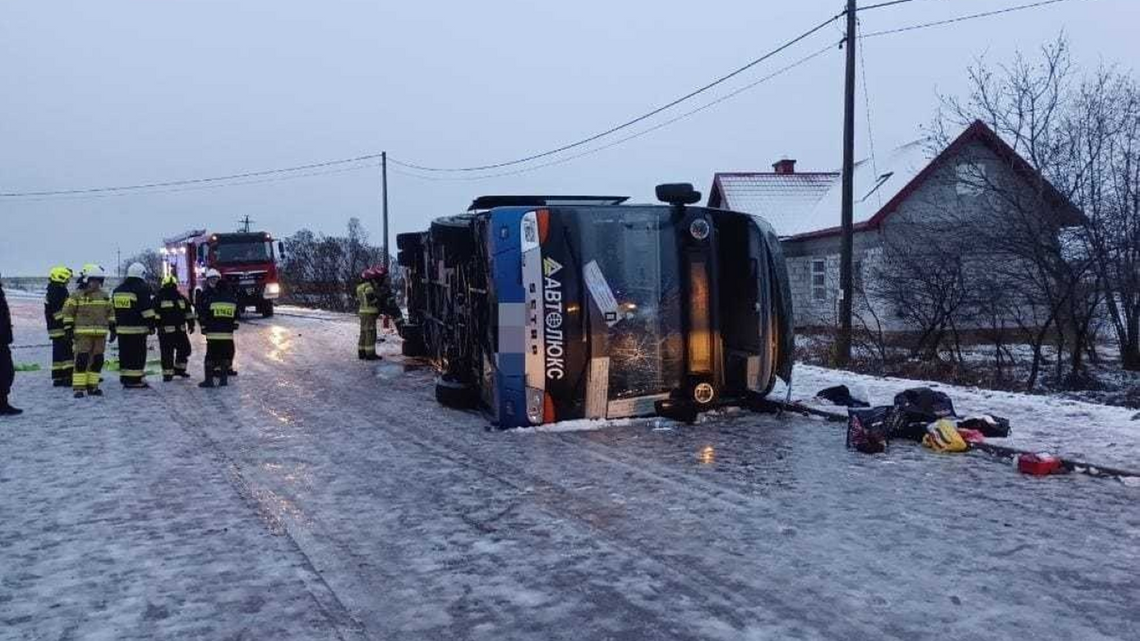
(913, 183)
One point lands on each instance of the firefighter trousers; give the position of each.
(175, 350)
(88, 361)
(367, 343)
(132, 358)
(7, 372)
(219, 356)
(62, 359)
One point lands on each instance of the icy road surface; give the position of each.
(323, 498)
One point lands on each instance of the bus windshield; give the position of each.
(636, 257)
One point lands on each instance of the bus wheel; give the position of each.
(266, 309)
(455, 394)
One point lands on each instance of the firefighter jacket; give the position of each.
(5, 320)
(377, 298)
(53, 309)
(134, 307)
(174, 312)
(217, 313)
(89, 313)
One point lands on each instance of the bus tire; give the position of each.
(266, 309)
(456, 395)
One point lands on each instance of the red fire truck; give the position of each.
(246, 260)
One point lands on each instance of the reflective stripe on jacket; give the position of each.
(366, 297)
(134, 307)
(53, 309)
(89, 313)
(217, 314)
(174, 312)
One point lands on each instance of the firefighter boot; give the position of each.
(6, 409)
(209, 382)
(166, 378)
(223, 377)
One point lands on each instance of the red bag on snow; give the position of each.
(1039, 464)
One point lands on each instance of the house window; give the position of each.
(971, 179)
(819, 279)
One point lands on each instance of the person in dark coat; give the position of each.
(217, 316)
(62, 358)
(134, 321)
(7, 367)
(176, 319)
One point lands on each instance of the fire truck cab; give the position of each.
(246, 260)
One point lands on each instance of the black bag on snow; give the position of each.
(867, 429)
(916, 408)
(990, 426)
(841, 395)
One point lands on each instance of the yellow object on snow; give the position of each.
(943, 437)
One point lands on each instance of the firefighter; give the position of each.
(175, 320)
(62, 358)
(90, 319)
(7, 367)
(369, 311)
(217, 315)
(134, 321)
(374, 295)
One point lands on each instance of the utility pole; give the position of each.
(384, 189)
(843, 341)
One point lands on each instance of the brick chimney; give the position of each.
(785, 166)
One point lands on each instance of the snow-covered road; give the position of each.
(321, 497)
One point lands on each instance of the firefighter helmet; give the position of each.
(213, 273)
(376, 272)
(59, 274)
(136, 270)
(169, 281)
(93, 271)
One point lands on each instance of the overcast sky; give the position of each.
(114, 92)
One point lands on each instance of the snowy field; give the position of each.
(320, 497)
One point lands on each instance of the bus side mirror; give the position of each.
(678, 194)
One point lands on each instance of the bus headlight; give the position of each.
(700, 228)
(273, 289)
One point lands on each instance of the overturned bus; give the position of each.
(539, 309)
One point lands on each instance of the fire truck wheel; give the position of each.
(266, 309)
(455, 394)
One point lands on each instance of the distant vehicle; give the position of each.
(246, 260)
(538, 309)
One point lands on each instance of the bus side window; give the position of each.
(202, 250)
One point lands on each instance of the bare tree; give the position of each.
(323, 271)
(150, 259)
(1029, 105)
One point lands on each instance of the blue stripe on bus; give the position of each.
(506, 256)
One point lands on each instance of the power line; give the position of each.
(629, 123)
(973, 16)
(200, 187)
(882, 5)
(643, 132)
(286, 170)
(193, 181)
(867, 112)
(289, 173)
